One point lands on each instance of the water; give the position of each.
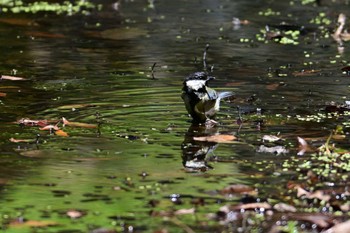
(96, 70)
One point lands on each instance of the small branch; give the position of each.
(152, 70)
(205, 57)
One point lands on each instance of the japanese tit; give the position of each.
(201, 101)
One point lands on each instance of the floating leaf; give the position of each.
(274, 150)
(77, 124)
(13, 78)
(75, 106)
(271, 138)
(312, 195)
(306, 73)
(340, 228)
(283, 207)
(33, 223)
(303, 146)
(33, 153)
(49, 127)
(19, 22)
(20, 140)
(74, 214)
(220, 138)
(61, 133)
(256, 205)
(238, 189)
(45, 34)
(185, 211)
(29, 122)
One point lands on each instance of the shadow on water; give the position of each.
(130, 161)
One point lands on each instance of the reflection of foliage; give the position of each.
(66, 7)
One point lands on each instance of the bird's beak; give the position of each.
(210, 78)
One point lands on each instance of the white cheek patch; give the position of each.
(196, 84)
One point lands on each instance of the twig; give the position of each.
(152, 70)
(205, 57)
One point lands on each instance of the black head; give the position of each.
(199, 76)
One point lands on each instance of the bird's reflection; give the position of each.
(195, 154)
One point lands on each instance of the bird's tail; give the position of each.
(226, 94)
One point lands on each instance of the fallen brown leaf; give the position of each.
(45, 34)
(32, 153)
(238, 189)
(321, 220)
(29, 122)
(2, 94)
(77, 124)
(220, 138)
(49, 127)
(61, 133)
(272, 87)
(283, 207)
(74, 214)
(340, 228)
(20, 140)
(32, 223)
(256, 205)
(75, 106)
(13, 78)
(19, 22)
(312, 195)
(184, 211)
(306, 73)
(271, 138)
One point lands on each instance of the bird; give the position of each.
(201, 101)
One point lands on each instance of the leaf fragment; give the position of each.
(77, 124)
(220, 138)
(61, 133)
(13, 78)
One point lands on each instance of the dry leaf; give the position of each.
(74, 214)
(306, 73)
(45, 34)
(273, 86)
(274, 150)
(271, 138)
(184, 211)
(19, 22)
(345, 207)
(77, 124)
(61, 133)
(2, 94)
(75, 106)
(29, 122)
(321, 220)
(20, 140)
(13, 78)
(340, 228)
(220, 138)
(33, 153)
(303, 146)
(257, 205)
(312, 195)
(238, 189)
(32, 223)
(283, 207)
(50, 127)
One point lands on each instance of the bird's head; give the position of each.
(197, 80)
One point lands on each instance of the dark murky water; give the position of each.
(97, 68)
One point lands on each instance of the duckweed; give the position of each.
(66, 7)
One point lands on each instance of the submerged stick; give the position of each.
(205, 57)
(152, 70)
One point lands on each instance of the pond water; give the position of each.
(123, 165)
